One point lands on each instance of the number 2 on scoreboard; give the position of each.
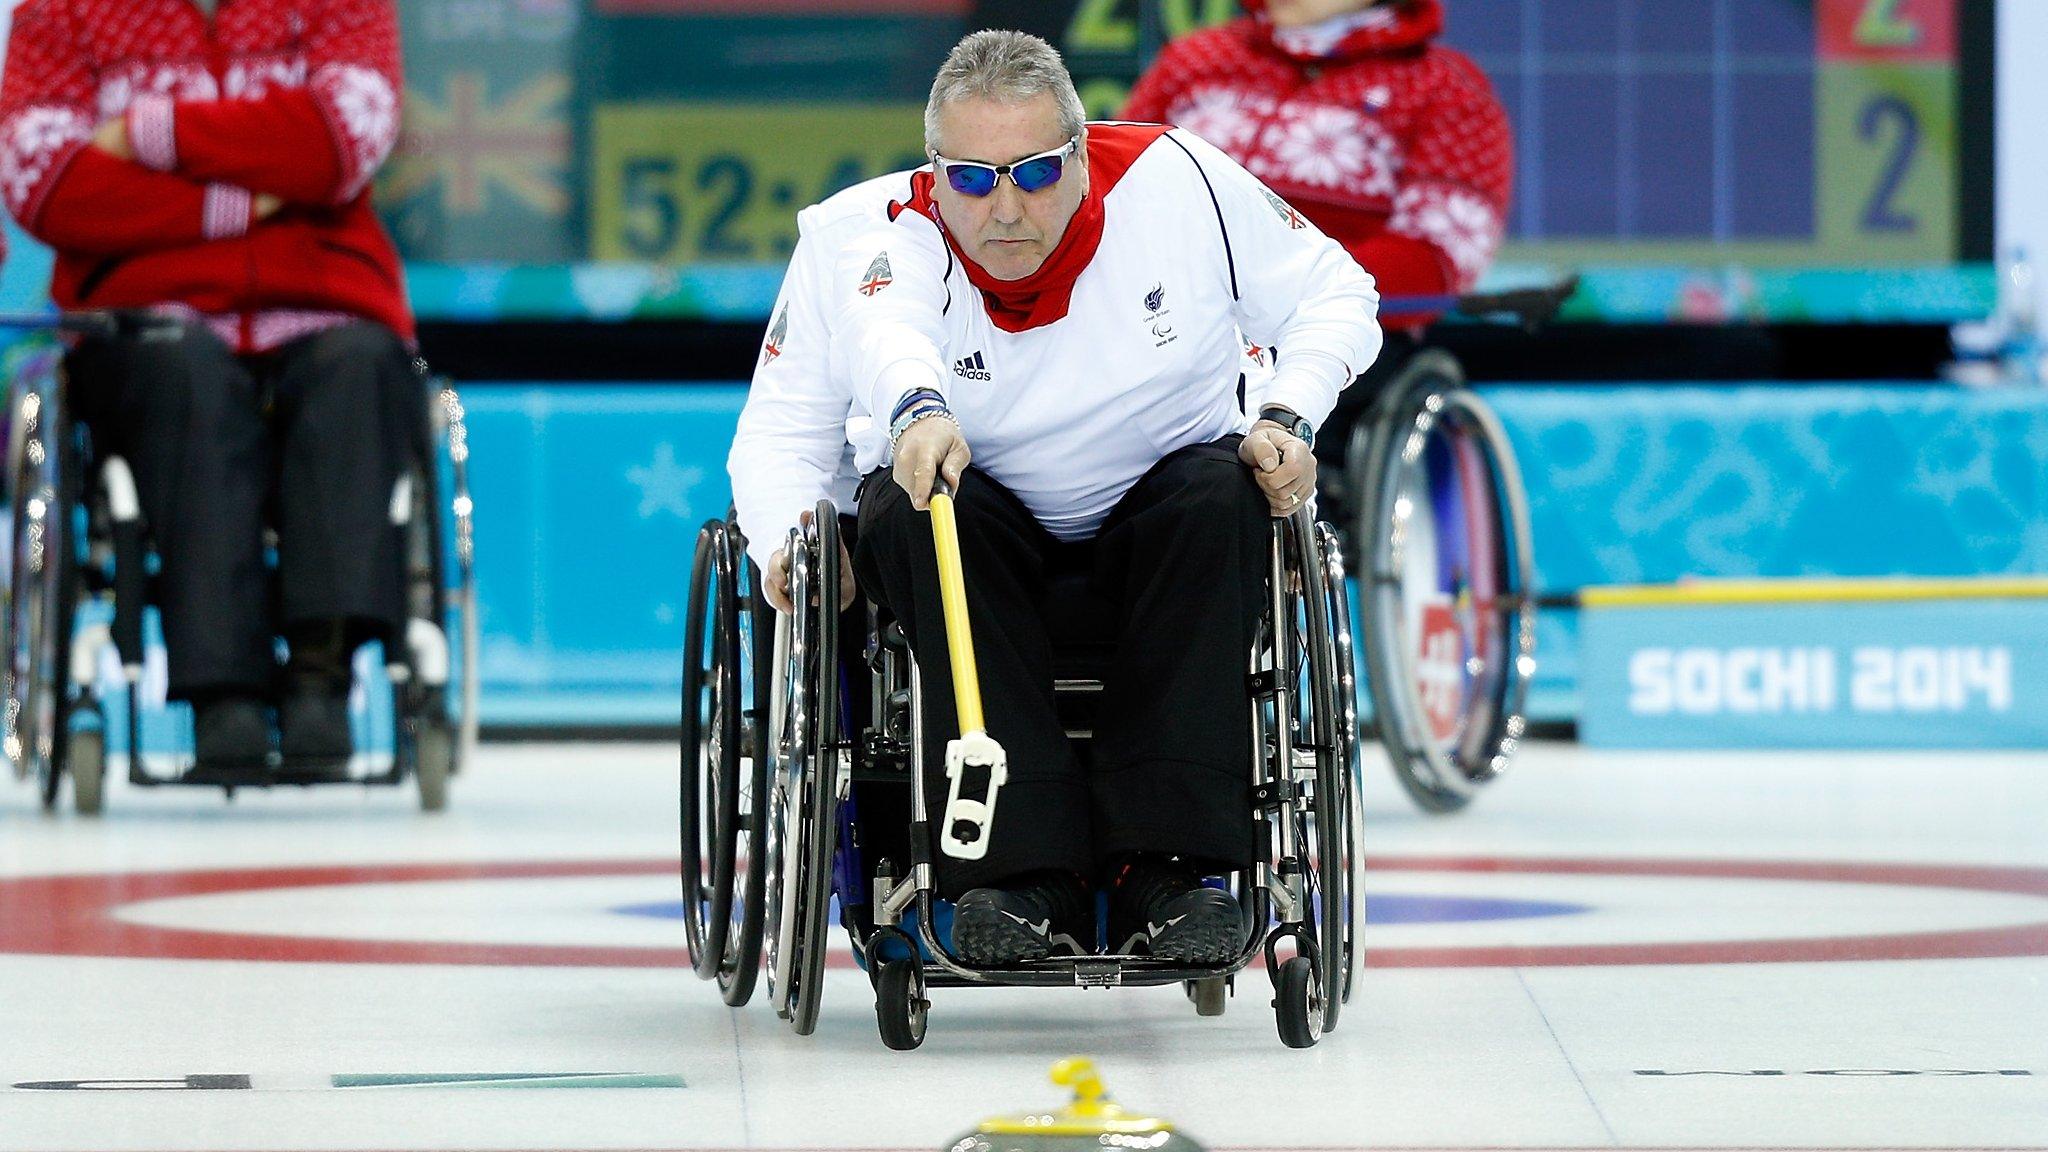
(1881, 212)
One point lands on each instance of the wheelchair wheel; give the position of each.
(710, 749)
(448, 418)
(46, 489)
(900, 1006)
(1298, 1003)
(742, 966)
(86, 762)
(1327, 718)
(1349, 814)
(805, 792)
(441, 717)
(10, 484)
(1443, 530)
(438, 713)
(433, 762)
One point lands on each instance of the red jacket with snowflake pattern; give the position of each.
(1394, 145)
(297, 99)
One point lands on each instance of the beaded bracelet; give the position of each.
(913, 398)
(904, 422)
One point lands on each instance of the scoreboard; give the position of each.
(1788, 151)
(1758, 131)
(1656, 131)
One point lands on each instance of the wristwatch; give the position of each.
(1286, 418)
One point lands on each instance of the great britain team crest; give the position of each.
(1284, 210)
(878, 275)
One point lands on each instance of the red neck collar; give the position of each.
(1042, 297)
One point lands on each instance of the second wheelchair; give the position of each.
(82, 575)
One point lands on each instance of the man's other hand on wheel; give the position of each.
(775, 581)
(1282, 464)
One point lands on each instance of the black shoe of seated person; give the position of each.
(1158, 906)
(231, 738)
(314, 741)
(1028, 918)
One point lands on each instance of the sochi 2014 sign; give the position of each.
(1882, 666)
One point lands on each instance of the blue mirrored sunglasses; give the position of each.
(1029, 174)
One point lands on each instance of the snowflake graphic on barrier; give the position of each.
(664, 485)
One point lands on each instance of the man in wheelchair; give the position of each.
(274, 388)
(1049, 318)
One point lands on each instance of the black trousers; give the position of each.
(1179, 568)
(310, 439)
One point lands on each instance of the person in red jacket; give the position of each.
(210, 161)
(1392, 144)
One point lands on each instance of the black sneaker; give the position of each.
(313, 734)
(1158, 907)
(1028, 919)
(230, 741)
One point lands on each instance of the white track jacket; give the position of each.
(1197, 256)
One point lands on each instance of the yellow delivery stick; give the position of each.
(964, 830)
(953, 594)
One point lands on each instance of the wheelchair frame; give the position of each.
(52, 667)
(762, 791)
(791, 807)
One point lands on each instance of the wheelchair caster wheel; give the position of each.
(1298, 1003)
(435, 762)
(87, 764)
(900, 1005)
(1210, 996)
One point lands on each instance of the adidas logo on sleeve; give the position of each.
(971, 368)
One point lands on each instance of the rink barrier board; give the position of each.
(1816, 664)
(589, 495)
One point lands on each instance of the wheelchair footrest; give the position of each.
(1103, 972)
(218, 776)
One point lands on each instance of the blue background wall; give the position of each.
(589, 497)
(588, 502)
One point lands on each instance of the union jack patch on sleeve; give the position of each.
(877, 276)
(777, 333)
(1284, 209)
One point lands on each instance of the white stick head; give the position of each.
(965, 827)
